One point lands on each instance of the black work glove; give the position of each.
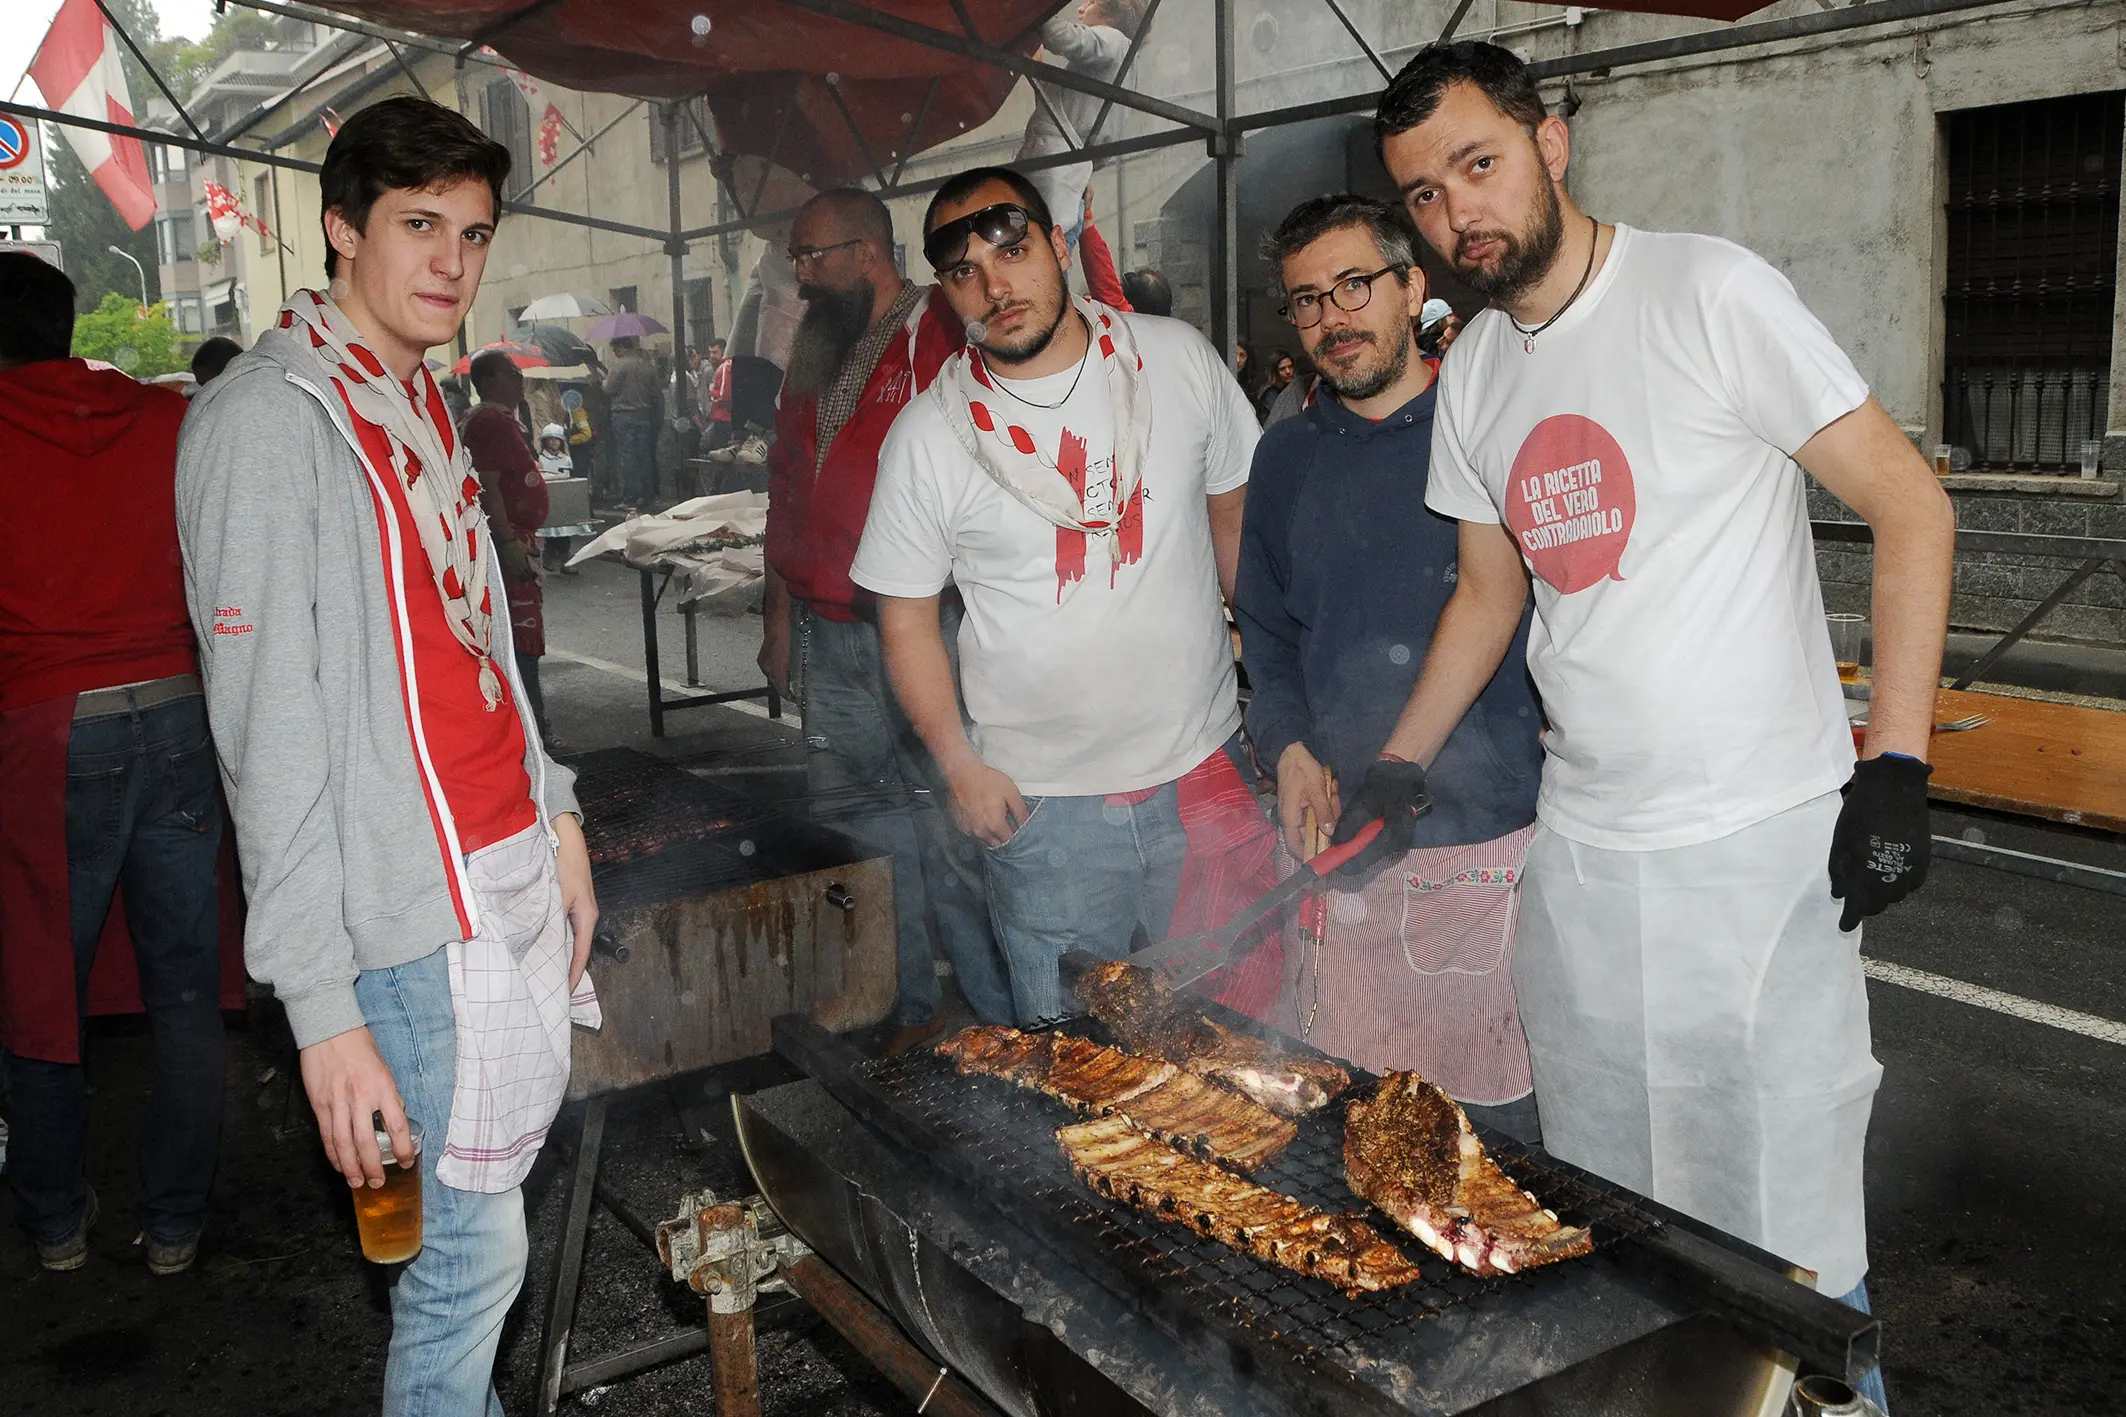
(1881, 846)
(1393, 794)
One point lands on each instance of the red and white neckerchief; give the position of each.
(967, 394)
(428, 463)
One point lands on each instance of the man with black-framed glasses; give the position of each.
(1343, 576)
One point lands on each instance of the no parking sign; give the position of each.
(22, 189)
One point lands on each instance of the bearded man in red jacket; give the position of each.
(870, 341)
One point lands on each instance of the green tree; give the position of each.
(117, 332)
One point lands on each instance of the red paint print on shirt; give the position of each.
(1070, 543)
(1570, 502)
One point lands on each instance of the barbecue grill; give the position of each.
(952, 1207)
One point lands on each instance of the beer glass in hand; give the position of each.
(389, 1216)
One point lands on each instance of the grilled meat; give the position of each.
(1410, 1151)
(1148, 1017)
(1157, 1096)
(1122, 1162)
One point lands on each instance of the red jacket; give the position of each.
(93, 590)
(815, 522)
(504, 461)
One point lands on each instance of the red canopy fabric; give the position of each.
(769, 70)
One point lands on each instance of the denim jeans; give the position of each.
(1870, 1384)
(1081, 873)
(448, 1304)
(632, 476)
(862, 758)
(142, 809)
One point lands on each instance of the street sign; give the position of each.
(45, 251)
(22, 185)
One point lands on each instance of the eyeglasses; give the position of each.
(805, 255)
(1349, 294)
(1000, 225)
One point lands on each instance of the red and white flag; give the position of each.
(546, 113)
(79, 72)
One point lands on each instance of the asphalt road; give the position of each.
(1996, 1160)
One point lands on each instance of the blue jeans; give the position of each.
(448, 1304)
(632, 474)
(1870, 1384)
(1081, 873)
(862, 758)
(142, 809)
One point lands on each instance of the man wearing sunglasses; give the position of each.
(869, 341)
(1411, 968)
(1079, 474)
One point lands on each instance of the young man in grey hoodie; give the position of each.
(419, 890)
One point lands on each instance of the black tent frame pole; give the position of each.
(1225, 154)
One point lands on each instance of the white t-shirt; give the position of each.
(1642, 458)
(1115, 680)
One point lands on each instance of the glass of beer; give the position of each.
(1848, 633)
(389, 1216)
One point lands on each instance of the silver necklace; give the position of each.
(1528, 335)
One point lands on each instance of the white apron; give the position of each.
(1698, 1029)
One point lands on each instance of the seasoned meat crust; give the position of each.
(1121, 1162)
(1148, 1017)
(1409, 1149)
(1157, 1096)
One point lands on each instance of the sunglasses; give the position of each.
(1000, 225)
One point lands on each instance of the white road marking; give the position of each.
(634, 676)
(1980, 997)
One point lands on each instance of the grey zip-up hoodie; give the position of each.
(295, 600)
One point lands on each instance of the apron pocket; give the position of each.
(1458, 924)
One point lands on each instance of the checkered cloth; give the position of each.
(509, 994)
(838, 401)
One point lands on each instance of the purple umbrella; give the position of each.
(627, 323)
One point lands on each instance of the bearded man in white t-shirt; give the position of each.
(1629, 423)
(1079, 474)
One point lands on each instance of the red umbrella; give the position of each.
(524, 356)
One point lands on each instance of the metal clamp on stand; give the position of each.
(727, 1252)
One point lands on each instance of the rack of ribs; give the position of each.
(1157, 1096)
(1123, 1163)
(1409, 1150)
(1146, 1016)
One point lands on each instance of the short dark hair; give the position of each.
(486, 366)
(1316, 217)
(1147, 292)
(1414, 95)
(212, 357)
(958, 186)
(402, 144)
(36, 309)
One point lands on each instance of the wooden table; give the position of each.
(2056, 761)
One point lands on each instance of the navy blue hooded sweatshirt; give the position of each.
(1343, 575)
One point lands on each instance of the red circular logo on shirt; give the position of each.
(1570, 503)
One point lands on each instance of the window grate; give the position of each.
(2033, 223)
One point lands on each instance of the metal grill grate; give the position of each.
(1002, 1136)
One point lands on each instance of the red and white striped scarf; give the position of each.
(427, 462)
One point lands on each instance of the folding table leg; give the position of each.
(568, 1258)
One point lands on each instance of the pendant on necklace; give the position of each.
(1528, 344)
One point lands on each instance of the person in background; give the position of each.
(108, 774)
(556, 464)
(401, 829)
(1098, 264)
(1282, 370)
(716, 399)
(212, 357)
(1091, 40)
(1437, 326)
(1629, 423)
(870, 342)
(1147, 292)
(1090, 537)
(634, 394)
(1412, 968)
(513, 494)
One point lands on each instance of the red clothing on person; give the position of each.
(92, 453)
(816, 517)
(1101, 281)
(720, 392)
(505, 463)
(478, 755)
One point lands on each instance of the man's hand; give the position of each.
(348, 1085)
(1302, 783)
(572, 863)
(1881, 845)
(1393, 794)
(985, 803)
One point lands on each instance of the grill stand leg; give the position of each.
(568, 1258)
(732, 1369)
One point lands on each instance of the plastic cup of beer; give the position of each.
(389, 1216)
(1848, 633)
(1942, 456)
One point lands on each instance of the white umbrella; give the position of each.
(566, 305)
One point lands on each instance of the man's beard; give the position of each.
(1364, 382)
(1035, 338)
(834, 320)
(1528, 257)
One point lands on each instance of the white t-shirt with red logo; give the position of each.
(1641, 456)
(1082, 675)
